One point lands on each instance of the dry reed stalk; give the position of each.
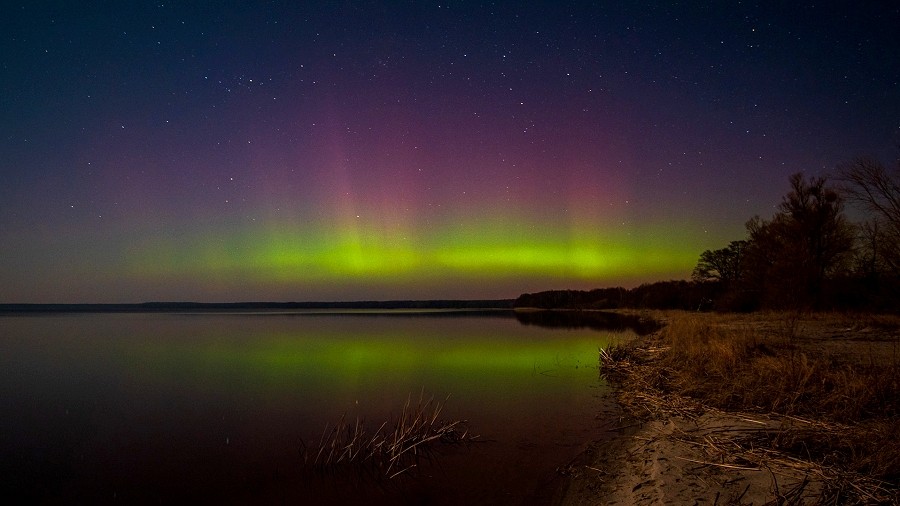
(409, 438)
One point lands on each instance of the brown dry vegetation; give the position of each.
(827, 385)
(394, 448)
(739, 366)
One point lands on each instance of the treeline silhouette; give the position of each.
(678, 294)
(808, 256)
(594, 320)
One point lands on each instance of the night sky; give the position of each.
(233, 151)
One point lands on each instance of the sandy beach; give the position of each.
(681, 460)
(672, 449)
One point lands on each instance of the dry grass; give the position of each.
(837, 408)
(396, 447)
(744, 367)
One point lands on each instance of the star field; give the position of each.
(362, 150)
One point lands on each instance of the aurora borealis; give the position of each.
(227, 151)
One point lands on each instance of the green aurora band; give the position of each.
(283, 256)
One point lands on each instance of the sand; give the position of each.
(673, 450)
(682, 460)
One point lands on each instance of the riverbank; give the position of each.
(770, 408)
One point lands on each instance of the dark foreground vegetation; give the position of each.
(808, 256)
(822, 390)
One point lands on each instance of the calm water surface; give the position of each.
(162, 408)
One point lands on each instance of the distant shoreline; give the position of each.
(164, 307)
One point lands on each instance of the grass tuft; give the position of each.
(396, 447)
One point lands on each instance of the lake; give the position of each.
(212, 407)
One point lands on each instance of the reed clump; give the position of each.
(396, 447)
(830, 383)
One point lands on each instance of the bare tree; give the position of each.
(814, 217)
(722, 264)
(869, 184)
(869, 262)
(789, 258)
